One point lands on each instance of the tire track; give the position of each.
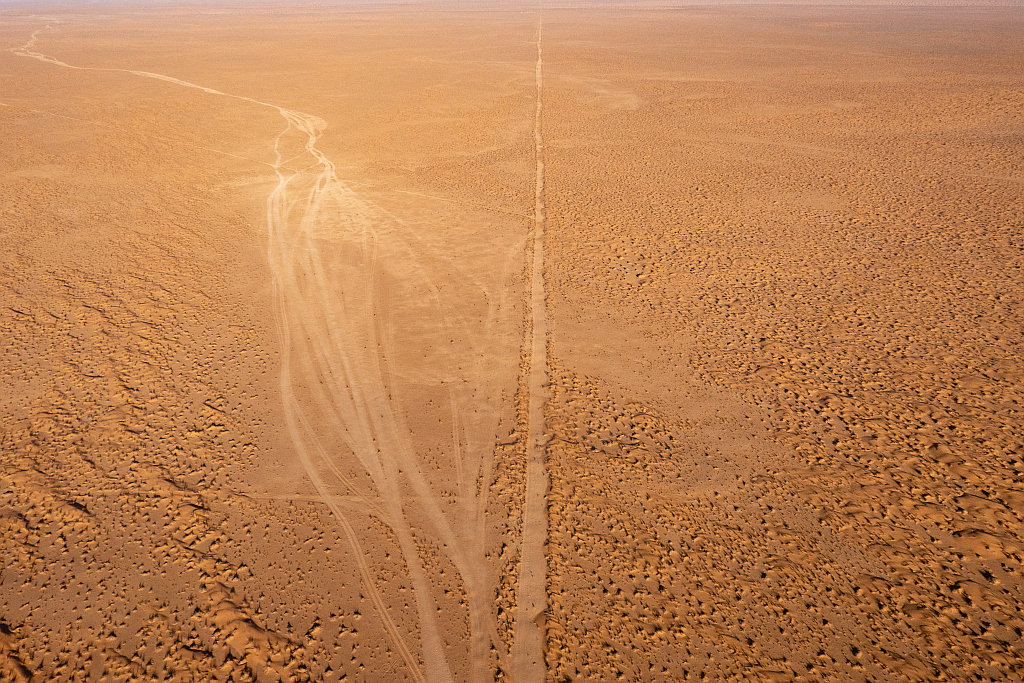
(283, 259)
(339, 398)
(531, 595)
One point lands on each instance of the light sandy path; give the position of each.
(282, 259)
(340, 402)
(531, 596)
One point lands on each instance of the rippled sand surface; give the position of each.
(473, 342)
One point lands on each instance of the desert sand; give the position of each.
(471, 342)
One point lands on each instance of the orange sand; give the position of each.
(282, 348)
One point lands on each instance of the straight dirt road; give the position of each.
(531, 591)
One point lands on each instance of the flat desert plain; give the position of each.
(473, 342)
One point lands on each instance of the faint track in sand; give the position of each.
(332, 329)
(279, 256)
(531, 594)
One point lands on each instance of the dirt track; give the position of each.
(292, 354)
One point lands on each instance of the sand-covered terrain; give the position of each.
(479, 342)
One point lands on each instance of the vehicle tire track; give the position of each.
(323, 328)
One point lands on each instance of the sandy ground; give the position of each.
(424, 344)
